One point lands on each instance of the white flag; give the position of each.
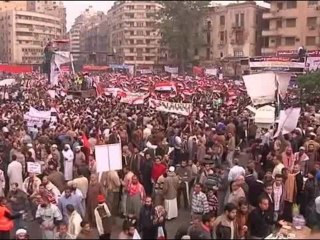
(288, 120)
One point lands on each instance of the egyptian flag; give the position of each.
(99, 88)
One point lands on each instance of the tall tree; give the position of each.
(179, 23)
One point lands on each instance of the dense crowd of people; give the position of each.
(236, 180)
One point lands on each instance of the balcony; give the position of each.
(270, 32)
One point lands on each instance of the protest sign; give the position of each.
(108, 157)
(134, 98)
(172, 70)
(171, 107)
(34, 167)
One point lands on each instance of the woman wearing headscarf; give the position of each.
(68, 157)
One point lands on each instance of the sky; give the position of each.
(75, 8)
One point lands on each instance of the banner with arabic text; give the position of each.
(171, 107)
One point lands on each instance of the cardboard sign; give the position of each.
(108, 157)
(34, 167)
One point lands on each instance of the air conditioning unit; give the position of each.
(312, 27)
(318, 7)
(233, 41)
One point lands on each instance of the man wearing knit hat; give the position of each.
(103, 218)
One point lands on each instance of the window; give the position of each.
(311, 21)
(239, 37)
(279, 23)
(310, 41)
(196, 52)
(238, 53)
(291, 22)
(222, 21)
(280, 5)
(139, 24)
(242, 19)
(290, 41)
(312, 3)
(139, 33)
(221, 34)
(291, 4)
(139, 41)
(131, 50)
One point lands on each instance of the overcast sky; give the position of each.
(75, 8)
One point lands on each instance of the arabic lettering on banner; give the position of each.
(171, 107)
(313, 63)
(172, 70)
(35, 117)
(276, 62)
(134, 98)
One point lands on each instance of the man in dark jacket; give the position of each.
(225, 225)
(260, 220)
(146, 220)
(255, 189)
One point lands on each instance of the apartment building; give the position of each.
(93, 39)
(24, 35)
(53, 8)
(291, 24)
(13, 5)
(133, 36)
(232, 31)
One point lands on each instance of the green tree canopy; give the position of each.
(179, 23)
(310, 82)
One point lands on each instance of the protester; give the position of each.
(103, 218)
(203, 144)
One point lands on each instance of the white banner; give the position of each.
(283, 80)
(171, 107)
(134, 98)
(8, 82)
(57, 60)
(211, 71)
(260, 87)
(288, 120)
(171, 70)
(276, 64)
(265, 115)
(313, 63)
(35, 117)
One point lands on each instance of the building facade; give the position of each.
(134, 39)
(24, 35)
(53, 8)
(93, 40)
(291, 24)
(75, 31)
(13, 5)
(232, 31)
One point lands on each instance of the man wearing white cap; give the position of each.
(68, 162)
(22, 234)
(170, 188)
(301, 158)
(30, 149)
